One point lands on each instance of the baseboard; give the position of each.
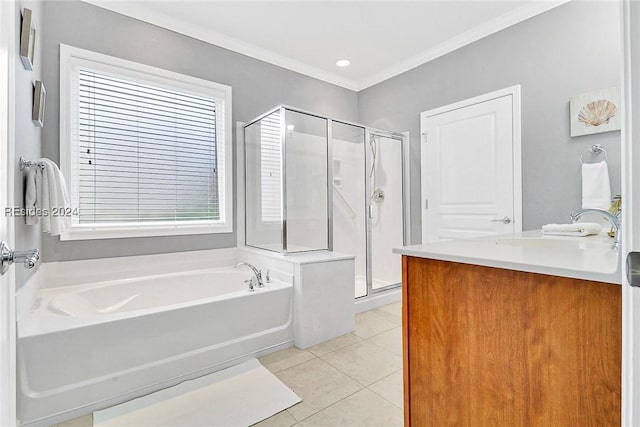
(378, 300)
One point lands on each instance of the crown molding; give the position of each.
(481, 31)
(138, 11)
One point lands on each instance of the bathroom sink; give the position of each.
(593, 254)
(555, 243)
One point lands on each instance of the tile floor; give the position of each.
(353, 380)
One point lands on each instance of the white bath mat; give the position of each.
(235, 397)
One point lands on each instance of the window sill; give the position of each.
(121, 232)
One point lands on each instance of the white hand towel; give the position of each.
(42, 202)
(34, 180)
(54, 197)
(579, 229)
(596, 190)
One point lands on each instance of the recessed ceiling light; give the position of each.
(343, 63)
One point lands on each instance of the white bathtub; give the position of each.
(87, 347)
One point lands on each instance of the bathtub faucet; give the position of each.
(257, 280)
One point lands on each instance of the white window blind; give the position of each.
(270, 168)
(146, 154)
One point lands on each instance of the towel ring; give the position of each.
(595, 150)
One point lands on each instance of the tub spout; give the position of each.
(257, 280)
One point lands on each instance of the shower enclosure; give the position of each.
(314, 183)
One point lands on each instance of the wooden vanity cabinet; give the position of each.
(491, 347)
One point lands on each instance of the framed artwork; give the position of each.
(27, 39)
(39, 98)
(595, 112)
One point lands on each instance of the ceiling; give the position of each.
(380, 38)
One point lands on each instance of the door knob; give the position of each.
(505, 220)
(633, 269)
(7, 257)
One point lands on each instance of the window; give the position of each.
(144, 150)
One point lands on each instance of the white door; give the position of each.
(7, 301)
(471, 184)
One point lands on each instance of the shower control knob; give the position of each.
(378, 195)
(7, 257)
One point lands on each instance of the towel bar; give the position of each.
(29, 164)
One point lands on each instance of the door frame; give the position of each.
(630, 12)
(514, 92)
(8, 28)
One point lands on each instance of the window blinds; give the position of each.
(270, 168)
(145, 153)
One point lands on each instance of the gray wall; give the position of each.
(28, 137)
(257, 86)
(569, 50)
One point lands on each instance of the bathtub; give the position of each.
(87, 347)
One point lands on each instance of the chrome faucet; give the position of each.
(254, 281)
(614, 219)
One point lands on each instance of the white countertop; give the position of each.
(588, 258)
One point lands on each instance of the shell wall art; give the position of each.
(595, 112)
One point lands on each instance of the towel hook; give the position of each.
(594, 150)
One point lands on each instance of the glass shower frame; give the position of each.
(368, 132)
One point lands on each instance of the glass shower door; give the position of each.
(306, 178)
(385, 209)
(367, 204)
(349, 198)
(263, 183)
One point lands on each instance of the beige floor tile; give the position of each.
(391, 312)
(283, 359)
(395, 308)
(390, 388)
(364, 362)
(369, 324)
(281, 419)
(334, 344)
(391, 340)
(393, 318)
(362, 409)
(318, 384)
(83, 421)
